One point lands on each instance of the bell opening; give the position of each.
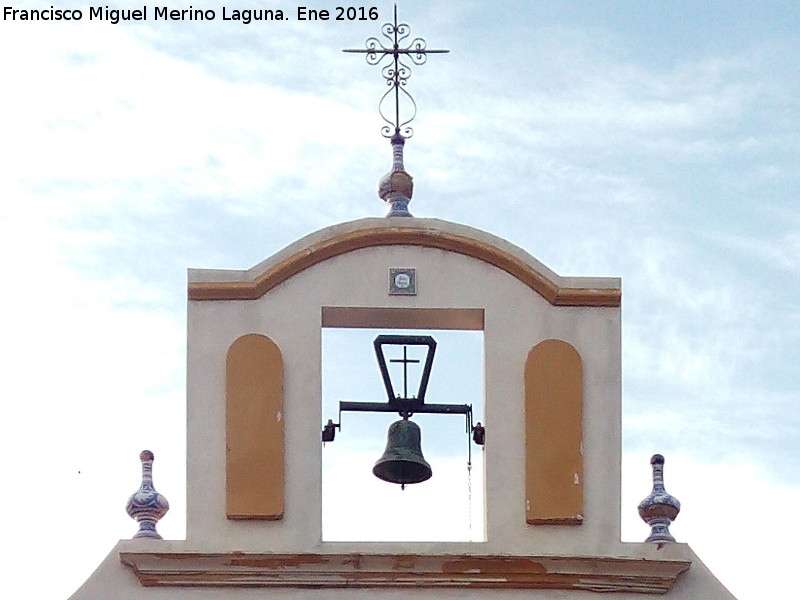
(355, 501)
(402, 471)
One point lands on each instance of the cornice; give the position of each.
(252, 284)
(314, 570)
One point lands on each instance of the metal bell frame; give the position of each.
(404, 405)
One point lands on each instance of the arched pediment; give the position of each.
(428, 233)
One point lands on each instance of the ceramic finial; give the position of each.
(397, 186)
(146, 505)
(659, 509)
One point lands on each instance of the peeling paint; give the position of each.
(494, 565)
(332, 571)
(280, 562)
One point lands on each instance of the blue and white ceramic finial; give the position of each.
(146, 505)
(396, 187)
(659, 509)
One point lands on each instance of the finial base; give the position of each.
(659, 530)
(147, 529)
(398, 205)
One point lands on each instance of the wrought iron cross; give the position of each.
(406, 361)
(396, 73)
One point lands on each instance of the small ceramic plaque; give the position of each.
(402, 282)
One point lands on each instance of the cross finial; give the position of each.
(396, 186)
(396, 72)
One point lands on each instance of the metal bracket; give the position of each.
(404, 405)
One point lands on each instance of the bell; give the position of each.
(402, 461)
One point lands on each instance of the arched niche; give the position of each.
(254, 437)
(553, 435)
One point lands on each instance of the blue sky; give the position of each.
(653, 141)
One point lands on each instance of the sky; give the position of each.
(654, 141)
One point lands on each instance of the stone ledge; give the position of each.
(311, 570)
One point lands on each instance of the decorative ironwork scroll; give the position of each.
(396, 73)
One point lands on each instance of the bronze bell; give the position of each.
(402, 461)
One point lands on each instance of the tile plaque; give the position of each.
(402, 282)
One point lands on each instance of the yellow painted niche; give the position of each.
(254, 429)
(553, 435)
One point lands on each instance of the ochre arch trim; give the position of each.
(553, 435)
(403, 236)
(254, 478)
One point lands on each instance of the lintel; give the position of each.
(470, 319)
